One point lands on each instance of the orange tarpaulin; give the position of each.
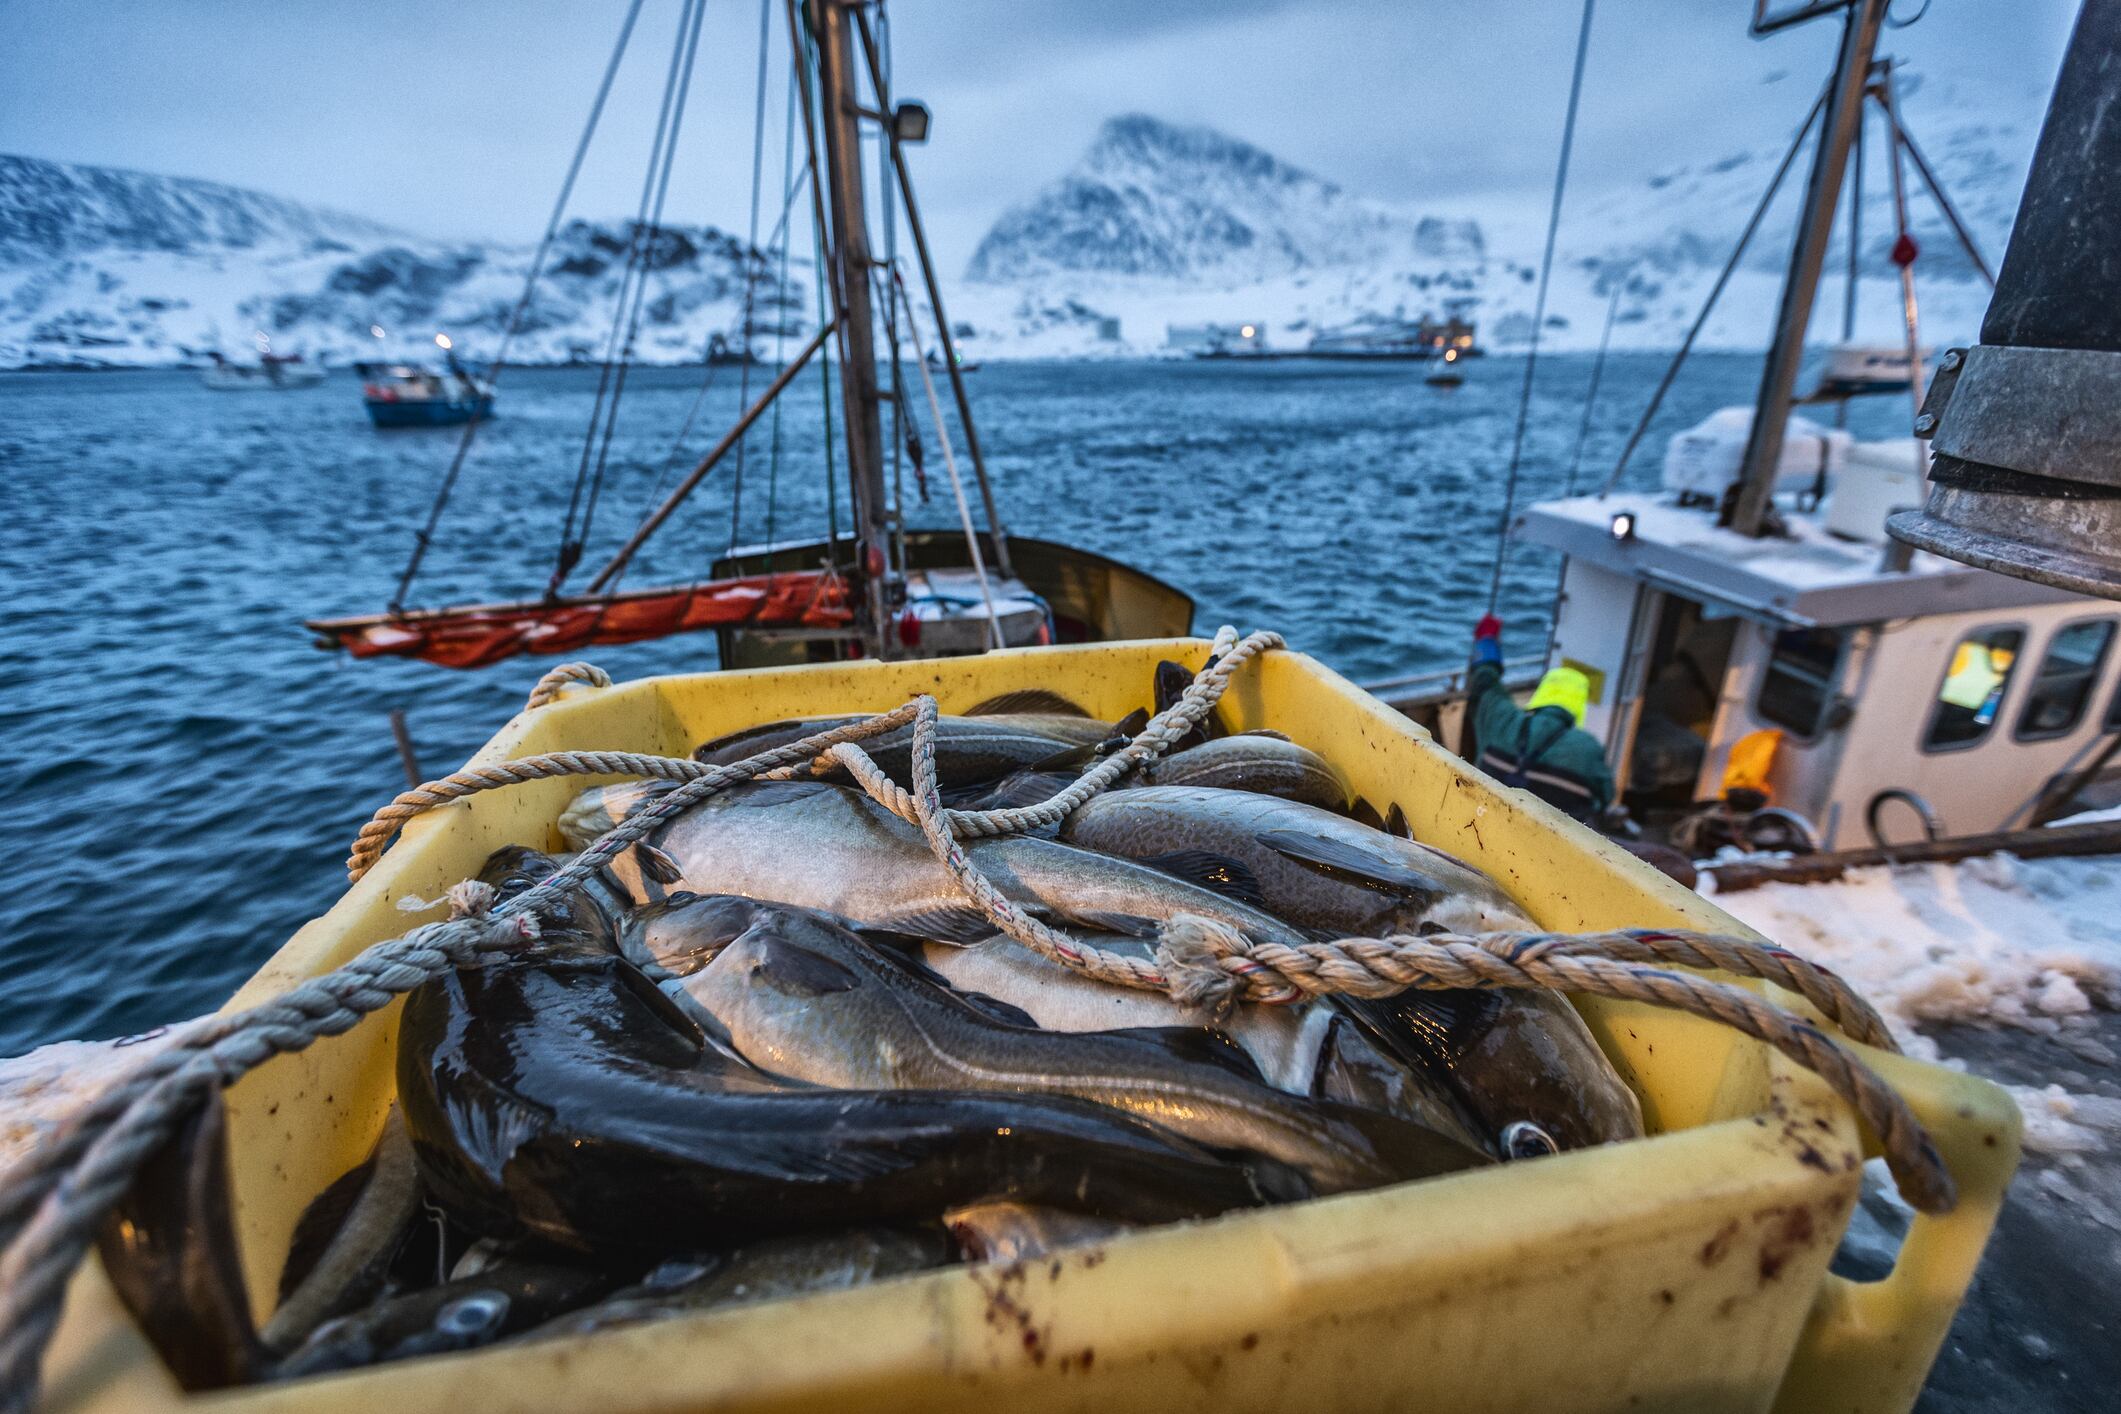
(477, 635)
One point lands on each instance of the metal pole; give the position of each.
(402, 735)
(706, 464)
(1763, 447)
(995, 531)
(1887, 92)
(832, 27)
(1848, 303)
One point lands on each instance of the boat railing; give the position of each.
(1444, 684)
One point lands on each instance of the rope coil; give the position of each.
(52, 1205)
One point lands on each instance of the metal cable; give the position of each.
(1539, 310)
(751, 245)
(425, 535)
(1686, 345)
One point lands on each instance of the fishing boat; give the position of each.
(1378, 338)
(272, 373)
(1758, 645)
(1448, 373)
(886, 588)
(415, 395)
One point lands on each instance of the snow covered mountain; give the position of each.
(1160, 226)
(1188, 203)
(101, 267)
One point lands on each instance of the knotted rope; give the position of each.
(51, 1206)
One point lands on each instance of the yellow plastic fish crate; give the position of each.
(1686, 1270)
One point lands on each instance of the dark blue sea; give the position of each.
(183, 770)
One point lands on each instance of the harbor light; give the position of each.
(442, 341)
(1623, 526)
(1246, 332)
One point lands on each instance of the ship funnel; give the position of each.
(2026, 425)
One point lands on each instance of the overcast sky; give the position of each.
(458, 119)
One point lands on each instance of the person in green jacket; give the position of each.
(1539, 746)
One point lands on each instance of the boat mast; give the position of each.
(1815, 225)
(832, 26)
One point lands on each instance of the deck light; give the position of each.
(909, 122)
(1623, 526)
(376, 329)
(442, 341)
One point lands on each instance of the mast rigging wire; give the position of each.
(1686, 345)
(647, 232)
(1590, 396)
(751, 245)
(425, 535)
(1539, 310)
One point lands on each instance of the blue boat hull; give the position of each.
(427, 412)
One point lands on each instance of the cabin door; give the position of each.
(1683, 650)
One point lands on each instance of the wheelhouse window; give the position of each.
(1799, 680)
(2069, 670)
(1975, 680)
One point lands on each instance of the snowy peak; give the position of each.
(1159, 200)
(56, 210)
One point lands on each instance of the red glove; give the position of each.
(1488, 627)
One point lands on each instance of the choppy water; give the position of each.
(182, 771)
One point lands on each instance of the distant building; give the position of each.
(1108, 330)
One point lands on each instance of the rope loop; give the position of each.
(550, 687)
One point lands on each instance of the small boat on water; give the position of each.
(1448, 373)
(273, 373)
(413, 395)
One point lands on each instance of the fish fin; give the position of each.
(1354, 866)
(1027, 699)
(942, 924)
(1226, 876)
(1029, 786)
(797, 971)
(1396, 823)
(995, 1009)
(1127, 925)
(1172, 680)
(1069, 762)
(1202, 1045)
(657, 864)
(1363, 813)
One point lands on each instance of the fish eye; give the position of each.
(475, 1314)
(1522, 1139)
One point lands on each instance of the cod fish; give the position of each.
(455, 1315)
(1019, 1232)
(826, 847)
(1263, 762)
(993, 739)
(344, 1244)
(802, 997)
(1508, 1057)
(170, 1249)
(768, 1271)
(570, 1100)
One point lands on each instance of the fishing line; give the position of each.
(570, 547)
(648, 243)
(751, 245)
(1539, 310)
(425, 535)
